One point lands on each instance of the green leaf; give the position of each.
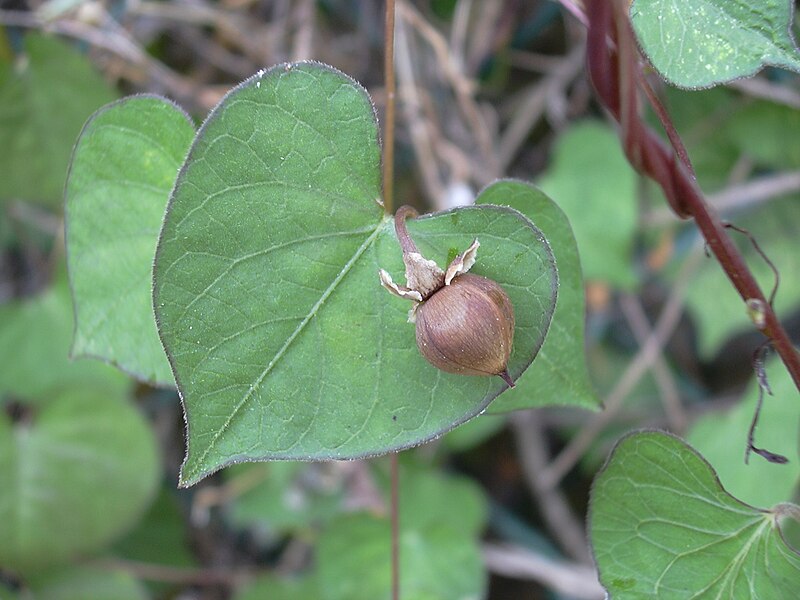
(354, 562)
(769, 134)
(663, 527)
(559, 374)
(123, 169)
(722, 438)
(472, 433)
(281, 496)
(426, 501)
(283, 343)
(276, 588)
(700, 43)
(161, 535)
(596, 188)
(87, 583)
(439, 554)
(34, 343)
(75, 474)
(45, 97)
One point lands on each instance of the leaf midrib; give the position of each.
(290, 340)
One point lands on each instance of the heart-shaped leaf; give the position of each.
(45, 97)
(73, 473)
(35, 332)
(699, 43)
(123, 169)
(559, 374)
(282, 341)
(662, 526)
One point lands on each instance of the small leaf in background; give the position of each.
(283, 342)
(277, 588)
(768, 134)
(282, 496)
(703, 118)
(473, 432)
(596, 188)
(700, 43)
(161, 536)
(439, 554)
(75, 473)
(439, 548)
(45, 97)
(35, 332)
(662, 526)
(123, 168)
(87, 583)
(558, 375)
(722, 439)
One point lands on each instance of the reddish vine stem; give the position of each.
(615, 70)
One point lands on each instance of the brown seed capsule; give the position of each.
(464, 322)
(467, 327)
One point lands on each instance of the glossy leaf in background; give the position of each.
(722, 438)
(559, 374)
(122, 172)
(37, 331)
(75, 473)
(266, 293)
(603, 194)
(46, 95)
(700, 43)
(662, 526)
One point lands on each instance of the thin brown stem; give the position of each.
(395, 515)
(388, 132)
(177, 575)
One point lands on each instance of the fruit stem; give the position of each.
(406, 243)
(507, 378)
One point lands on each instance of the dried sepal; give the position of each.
(398, 290)
(462, 263)
(422, 275)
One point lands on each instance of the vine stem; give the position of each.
(391, 91)
(615, 70)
